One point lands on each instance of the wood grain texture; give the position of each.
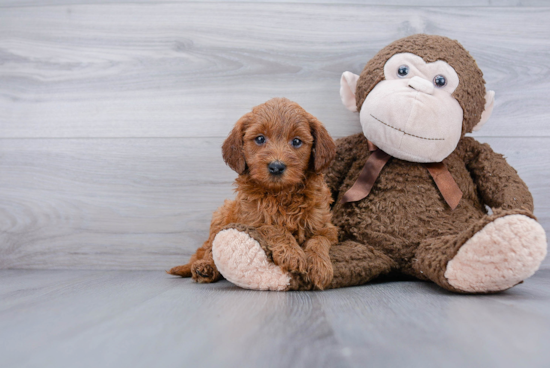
(92, 203)
(149, 319)
(143, 203)
(192, 69)
(452, 3)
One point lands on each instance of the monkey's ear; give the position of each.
(489, 104)
(324, 148)
(232, 149)
(348, 84)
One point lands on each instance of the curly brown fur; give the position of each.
(285, 250)
(291, 211)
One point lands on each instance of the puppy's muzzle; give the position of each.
(276, 168)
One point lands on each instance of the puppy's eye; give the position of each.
(296, 143)
(440, 81)
(259, 140)
(402, 71)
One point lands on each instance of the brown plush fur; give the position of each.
(291, 211)
(405, 216)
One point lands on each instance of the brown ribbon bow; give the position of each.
(376, 162)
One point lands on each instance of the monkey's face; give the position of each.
(412, 114)
(411, 101)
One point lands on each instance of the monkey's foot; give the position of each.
(240, 259)
(502, 254)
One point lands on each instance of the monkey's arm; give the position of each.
(345, 156)
(498, 183)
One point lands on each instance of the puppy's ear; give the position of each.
(324, 148)
(232, 149)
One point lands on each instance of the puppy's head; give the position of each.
(277, 144)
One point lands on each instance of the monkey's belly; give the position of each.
(403, 208)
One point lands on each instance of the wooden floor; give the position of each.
(149, 319)
(112, 114)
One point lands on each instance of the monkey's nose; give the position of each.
(276, 168)
(421, 85)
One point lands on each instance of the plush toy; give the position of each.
(412, 193)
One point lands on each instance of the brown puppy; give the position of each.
(279, 151)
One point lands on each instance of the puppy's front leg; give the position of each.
(320, 270)
(286, 252)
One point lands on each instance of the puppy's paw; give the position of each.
(290, 260)
(204, 272)
(320, 270)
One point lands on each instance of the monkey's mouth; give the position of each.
(404, 132)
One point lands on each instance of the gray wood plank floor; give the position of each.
(149, 319)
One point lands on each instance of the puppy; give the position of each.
(279, 151)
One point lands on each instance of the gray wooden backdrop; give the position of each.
(112, 114)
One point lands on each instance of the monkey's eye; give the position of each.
(440, 81)
(402, 71)
(296, 143)
(259, 140)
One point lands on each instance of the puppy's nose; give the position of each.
(276, 168)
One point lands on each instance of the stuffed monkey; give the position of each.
(412, 192)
